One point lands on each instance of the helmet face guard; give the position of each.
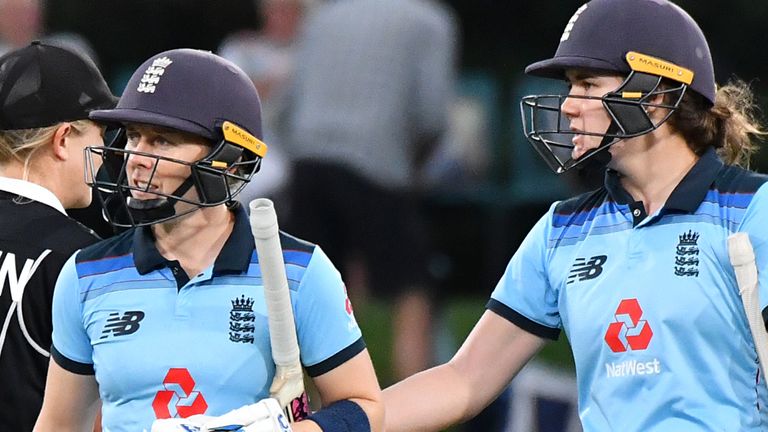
(216, 179)
(191, 91)
(548, 129)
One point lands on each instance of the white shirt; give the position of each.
(32, 191)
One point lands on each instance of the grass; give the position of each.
(456, 319)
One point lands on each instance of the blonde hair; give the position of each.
(731, 125)
(20, 145)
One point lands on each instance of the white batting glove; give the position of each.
(263, 416)
(190, 424)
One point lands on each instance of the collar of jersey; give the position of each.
(688, 195)
(234, 257)
(32, 191)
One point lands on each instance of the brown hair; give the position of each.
(731, 125)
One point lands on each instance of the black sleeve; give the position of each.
(521, 321)
(71, 365)
(337, 359)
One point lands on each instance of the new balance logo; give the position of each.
(585, 269)
(123, 325)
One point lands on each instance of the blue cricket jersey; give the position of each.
(164, 345)
(649, 302)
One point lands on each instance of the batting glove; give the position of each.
(190, 424)
(263, 416)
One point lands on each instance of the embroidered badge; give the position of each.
(687, 255)
(241, 320)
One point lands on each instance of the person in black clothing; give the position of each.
(46, 93)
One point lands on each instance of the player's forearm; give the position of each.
(428, 401)
(354, 381)
(305, 426)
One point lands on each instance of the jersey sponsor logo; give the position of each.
(179, 397)
(628, 332)
(352, 323)
(632, 368)
(121, 325)
(585, 269)
(571, 22)
(687, 255)
(241, 320)
(152, 75)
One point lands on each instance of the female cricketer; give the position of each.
(168, 319)
(636, 273)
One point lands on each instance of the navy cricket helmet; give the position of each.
(650, 42)
(191, 91)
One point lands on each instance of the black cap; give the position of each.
(41, 85)
(602, 32)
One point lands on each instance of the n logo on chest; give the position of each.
(586, 268)
(121, 325)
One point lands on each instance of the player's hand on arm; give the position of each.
(351, 398)
(70, 403)
(493, 353)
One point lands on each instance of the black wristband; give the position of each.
(342, 416)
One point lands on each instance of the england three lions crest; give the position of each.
(241, 320)
(687, 255)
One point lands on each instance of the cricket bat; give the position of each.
(288, 385)
(742, 257)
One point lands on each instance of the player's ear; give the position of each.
(655, 108)
(59, 144)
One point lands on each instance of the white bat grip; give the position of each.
(742, 258)
(282, 330)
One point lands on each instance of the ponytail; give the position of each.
(730, 125)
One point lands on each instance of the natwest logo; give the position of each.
(629, 331)
(179, 399)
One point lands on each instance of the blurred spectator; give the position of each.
(373, 84)
(462, 156)
(21, 21)
(268, 57)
